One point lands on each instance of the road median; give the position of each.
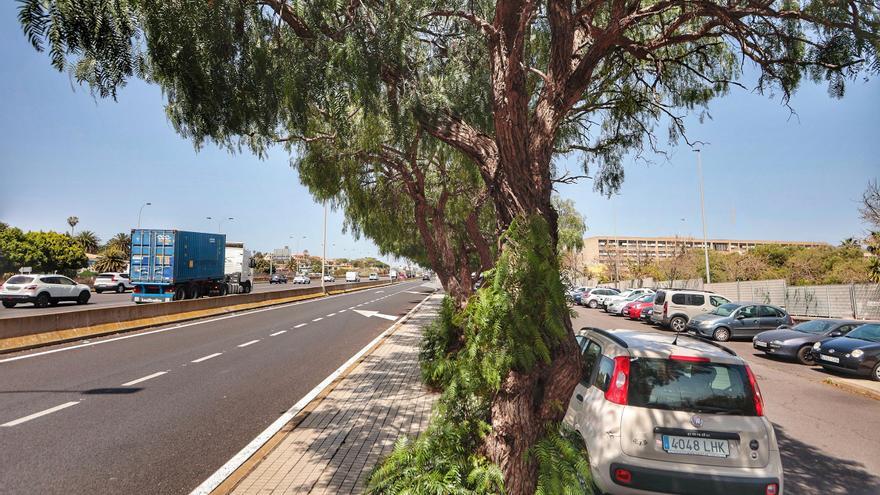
(38, 330)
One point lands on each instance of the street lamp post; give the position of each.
(703, 214)
(324, 254)
(141, 211)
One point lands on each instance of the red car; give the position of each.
(633, 310)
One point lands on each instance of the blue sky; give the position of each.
(769, 175)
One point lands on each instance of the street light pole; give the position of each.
(703, 214)
(324, 255)
(141, 211)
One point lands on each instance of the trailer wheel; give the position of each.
(224, 289)
(246, 287)
(178, 294)
(191, 291)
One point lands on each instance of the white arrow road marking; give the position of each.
(41, 413)
(370, 314)
(414, 292)
(148, 377)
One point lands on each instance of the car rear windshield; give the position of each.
(661, 297)
(725, 309)
(702, 387)
(18, 279)
(105, 275)
(814, 326)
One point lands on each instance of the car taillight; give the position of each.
(665, 308)
(772, 489)
(756, 395)
(30, 287)
(690, 359)
(114, 279)
(623, 476)
(617, 390)
(137, 289)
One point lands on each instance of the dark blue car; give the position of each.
(857, 353)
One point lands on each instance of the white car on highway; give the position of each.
(302, 279)
(374, 276)
(329, 278)
(42, 290)
(112, 281)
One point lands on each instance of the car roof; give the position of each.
(654, 345)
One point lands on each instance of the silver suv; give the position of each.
(115, 281)
(674, 308)
(660, 414)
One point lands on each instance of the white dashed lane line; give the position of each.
(209, 356)
(249, 343)
(41, 413)
(331, 314)
(301, 325)
(139, 380)
(343, 310)
(277, 333)
(318, 319)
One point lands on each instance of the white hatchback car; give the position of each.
(329, 278)
(374, 276)
(42, 290)
(301, 279)
(615, 304)
(112, 281)
(661, 416)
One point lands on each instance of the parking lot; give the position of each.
(829, 437)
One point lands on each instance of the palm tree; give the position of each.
(121, 241)
(850, 242)
(112, 259)
(72, 221)
(88, 240)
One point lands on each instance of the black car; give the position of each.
(797, 342)
(857, 353)
(278, 279)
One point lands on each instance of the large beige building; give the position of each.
(606, 249)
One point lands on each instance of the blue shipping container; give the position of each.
(167, 257)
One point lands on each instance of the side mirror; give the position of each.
(740, 316)
(836, 333)
(252, 263)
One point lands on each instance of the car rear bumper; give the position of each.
(650, 480)
(17, 298)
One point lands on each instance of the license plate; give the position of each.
(709, 447)
(830, 359)
(758, 343)
(145, 299)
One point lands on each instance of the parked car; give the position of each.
(425, 276)
(613, 304)
(734, 320)
(278, 279)
(42, 290)
(635, 309)
(856, 353)
(353, 277)
(662, 415)
(115, 281)
(674, 308)
(575, 294)
(646, 313)
(329, 278)
(302, 279)
(597, 297)
(797, 342)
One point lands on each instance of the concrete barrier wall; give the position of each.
(53, 322)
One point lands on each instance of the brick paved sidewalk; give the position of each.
(335, 447)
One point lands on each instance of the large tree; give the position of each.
(509, 85)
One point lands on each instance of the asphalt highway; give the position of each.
(111, 299)
(829, 438)
(158, 411)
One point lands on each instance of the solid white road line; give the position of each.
(209, 356)
(41, 413)
(318, 319)
(148, 377)
(244, 454)
(301, 325)
(175, 327)
(277, 333)
(249, 343)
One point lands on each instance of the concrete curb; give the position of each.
(850, 386)
(25, 342)
(227, 484)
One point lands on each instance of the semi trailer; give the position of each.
(171, 265)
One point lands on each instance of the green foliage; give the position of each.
(122, 242)
(502, 330)
(45, 252)
(88, 240)
(112, 259)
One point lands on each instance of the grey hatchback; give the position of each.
(738, 320)
(797, 342)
